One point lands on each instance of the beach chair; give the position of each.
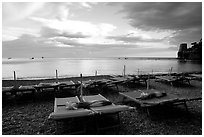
(133, 79)
(195, 76)
(61, 113)
(6, 90)
(66, 88)
(16, 90)
(25, 89)
(68, 84)
(115, 81)
(41, 86)
(173, 79)
(21, 89)
(105, 111)
(98, 86)
(157, 98)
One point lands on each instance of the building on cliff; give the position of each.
(192, 53)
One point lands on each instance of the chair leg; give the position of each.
(96, 122)
(118, 115)
(189, 82)
(145, 83)
(148, 111)
(185, 105)
(117, 87)
(33, 95)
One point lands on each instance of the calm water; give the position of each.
(41, 68)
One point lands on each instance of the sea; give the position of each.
(43, 68)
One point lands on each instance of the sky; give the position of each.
(98, 29)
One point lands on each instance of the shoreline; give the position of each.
(87, 76)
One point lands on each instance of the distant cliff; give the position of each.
(192, 53)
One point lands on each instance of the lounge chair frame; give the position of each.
(147, 106)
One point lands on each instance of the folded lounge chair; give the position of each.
(151, 98)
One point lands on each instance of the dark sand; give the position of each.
(22, 115)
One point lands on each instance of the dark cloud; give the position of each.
(164, 15)
(188, 36)
(50, 32)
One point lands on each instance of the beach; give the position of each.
(85, 66)
(25, 116)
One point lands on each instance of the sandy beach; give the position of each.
(24, 116)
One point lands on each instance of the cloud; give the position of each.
(187, 36)
(130, 39)
(32, 46)
(50, 29)
(164, 15)
(15, 11)
(50, 32)
(75, 26)
(87, 4)
(79, 32)
(145, 39)
(11, 33)
(183, 20)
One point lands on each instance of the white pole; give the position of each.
(170, 71)
(56, 76)
(124, 70)
(148, 81)
(15, 83)
(96, 73)
(14, 75)
(81, 90)
(138, 72)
